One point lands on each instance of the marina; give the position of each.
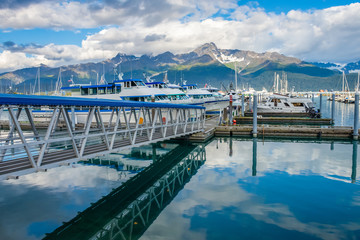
(132, 166)
(179, 120)
(227, 182)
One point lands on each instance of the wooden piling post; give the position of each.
(356, 117)
(332, 108)
(320, 105)
(230, 109)
(242, 105)
(255, 116)
(225, 116)
(250, 107)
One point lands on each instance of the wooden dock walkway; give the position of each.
(284, 120)
(287, 131)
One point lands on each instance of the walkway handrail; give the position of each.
(107, 126)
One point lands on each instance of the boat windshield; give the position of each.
(130, 84)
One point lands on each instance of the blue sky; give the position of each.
(279, 6)
(57, 32)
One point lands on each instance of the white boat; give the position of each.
(282, 103)
(174, 94)
(128, 89)
(205, 98)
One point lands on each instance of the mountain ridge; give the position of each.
(252, 68)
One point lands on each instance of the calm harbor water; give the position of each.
(243, 189)
(344, 113)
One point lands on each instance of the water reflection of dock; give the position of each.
(255, 153)
(130, 209)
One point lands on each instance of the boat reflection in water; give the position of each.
(246, 189)
(130, 209)
(254, 154)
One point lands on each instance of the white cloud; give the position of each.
(321, 35)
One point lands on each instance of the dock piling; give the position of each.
(231, 109)
(255, 116)
(242, 105)
(320, 105)
(354, 162)
(332, 108)
(356, 117)
(254, 157)
(250, 107)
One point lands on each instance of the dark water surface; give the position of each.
(237, 189)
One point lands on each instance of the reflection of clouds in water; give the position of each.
(56, 194)
(356, 199)
(204, 195)
(216, 187)
(281, 216)
(67, 176)
(293, 158)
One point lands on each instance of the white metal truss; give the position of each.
(27, 147)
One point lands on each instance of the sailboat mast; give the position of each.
(343, 82)
(39, 81)
(235, 78)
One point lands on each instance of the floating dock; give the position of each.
(279, 114)
(287, 131)
(284, 120)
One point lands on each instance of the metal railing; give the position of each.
(107, 126)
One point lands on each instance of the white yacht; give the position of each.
(173, 92)
(127, 89)
(282, 103)
(205, 98)
(124, 89)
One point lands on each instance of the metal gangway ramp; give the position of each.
(109, 126)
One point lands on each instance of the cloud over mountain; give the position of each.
(144, 27)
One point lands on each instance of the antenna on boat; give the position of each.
(120, 76)
(131, 68)
(71, 80)
(165, 79)
(115, 72)
(147, 78)
(58, 84)
(102, 79)
(37, 81)
(235, 78)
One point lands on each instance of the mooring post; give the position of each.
(230, 109)
(250, 107)
(320, 105)
(254, 157)
(242, 105)
(332, 108)
(354, 162)
(356, 117)
(255, 116)
(225, 114)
